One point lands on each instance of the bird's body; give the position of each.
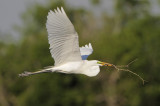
(64, 48)
(85, 67)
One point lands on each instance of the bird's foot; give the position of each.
(25, 74)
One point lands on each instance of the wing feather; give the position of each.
(63, 38)
(86, 51)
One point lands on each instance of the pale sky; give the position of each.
(10, 11)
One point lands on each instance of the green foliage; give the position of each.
(95, 2)
(117, 42)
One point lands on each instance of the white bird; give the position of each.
(64, 48)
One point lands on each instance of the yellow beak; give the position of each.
(105, 64)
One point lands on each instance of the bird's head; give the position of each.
(104, 63)
(93, 67)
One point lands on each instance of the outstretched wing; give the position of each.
(86, 51)
(63, 38)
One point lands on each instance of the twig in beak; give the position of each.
(120, 68)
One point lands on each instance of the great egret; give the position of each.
(64, 48)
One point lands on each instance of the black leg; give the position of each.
(32, 73)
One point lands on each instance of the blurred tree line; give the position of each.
(131, 33)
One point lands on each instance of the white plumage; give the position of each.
(63, 38)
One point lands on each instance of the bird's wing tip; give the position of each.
(57, 10)
(90, 46)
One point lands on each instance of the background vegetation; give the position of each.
(133, 32)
